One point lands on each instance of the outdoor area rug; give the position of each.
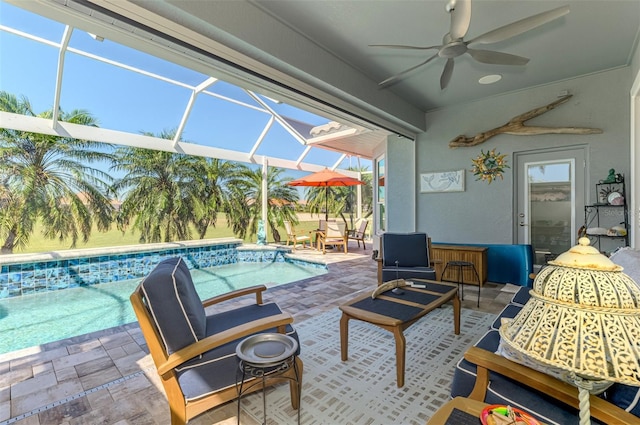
(363, 389)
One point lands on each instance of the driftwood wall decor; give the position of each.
(517, 127)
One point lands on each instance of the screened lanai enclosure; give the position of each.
(139, 83)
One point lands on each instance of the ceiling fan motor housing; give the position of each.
(453, 49)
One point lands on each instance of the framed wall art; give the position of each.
(442, 181)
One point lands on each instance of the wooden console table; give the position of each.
(475, 254)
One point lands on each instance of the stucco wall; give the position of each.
(483, 213)
(400, 181)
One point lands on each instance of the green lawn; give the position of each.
(117, 238)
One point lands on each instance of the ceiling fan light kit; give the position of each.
(490, 79)
(454, 45)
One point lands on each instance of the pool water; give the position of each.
(50, 316)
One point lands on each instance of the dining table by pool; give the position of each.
(396, 311)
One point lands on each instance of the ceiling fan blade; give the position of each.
(497, 58)
(460, 18)
(402, 46)
(519, 27)
(447, 72)
(406, 71)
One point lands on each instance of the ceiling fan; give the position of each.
(454, 44)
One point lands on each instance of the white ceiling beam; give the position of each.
(43, 126)
(280, 120)
(304, 154)
(29, 36)
(342, 157)
(237, 102)
(205, 84)
(187, 111)
(64, 43)
(258, 142)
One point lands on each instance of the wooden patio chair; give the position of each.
(294, 238)
(336, 234)
(358, 233)
(194, 350)
(318, 233)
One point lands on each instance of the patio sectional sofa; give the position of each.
(550, 400)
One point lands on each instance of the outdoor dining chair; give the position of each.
(335, 235)
(194, 350)
(358, 233)
(293, 237)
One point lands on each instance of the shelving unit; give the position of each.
(606, 214)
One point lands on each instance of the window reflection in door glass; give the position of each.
(380, 171)
(550, 208)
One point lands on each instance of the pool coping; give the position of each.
(9, 259)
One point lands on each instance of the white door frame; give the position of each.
(635, 163)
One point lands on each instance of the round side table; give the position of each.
(461, 265)
(265, 356)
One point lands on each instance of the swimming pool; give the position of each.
(53, 315)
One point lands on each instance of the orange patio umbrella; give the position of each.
(326, 178)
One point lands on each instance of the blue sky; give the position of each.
(127, 101)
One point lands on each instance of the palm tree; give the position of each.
(244, 209)
(49, 178)
(211, 176)
(160, 193)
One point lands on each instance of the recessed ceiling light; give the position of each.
(490, 79)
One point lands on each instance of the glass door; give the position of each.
(550, 199)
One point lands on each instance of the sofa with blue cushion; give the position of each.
(484, 375)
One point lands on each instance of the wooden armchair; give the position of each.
(487, 361)
(398, 244)
(335, 234)
(194, 350)
(358, 233)
(294, 238)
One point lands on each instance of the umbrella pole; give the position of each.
(326, 203)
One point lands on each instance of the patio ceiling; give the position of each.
(80, 58)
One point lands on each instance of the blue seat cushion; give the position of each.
(408, 249)
(174, 304)
(522, 296)
(509, 312)
(503, 390)
(218, 368)
(391, 273)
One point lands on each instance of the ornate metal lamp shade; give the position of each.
(582, 324)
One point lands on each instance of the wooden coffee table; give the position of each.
(396, 312)
(467, 405)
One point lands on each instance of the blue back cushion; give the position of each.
(174, 304)
(409, 249)
(625, 397)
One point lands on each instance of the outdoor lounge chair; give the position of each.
(194, 350)
(293, 237)
(358, 233)
(406, 256)
(336, 234)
